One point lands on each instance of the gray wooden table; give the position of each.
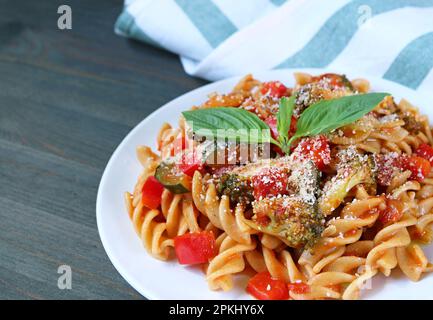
(67, 99)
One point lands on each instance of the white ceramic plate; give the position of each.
(168, 280)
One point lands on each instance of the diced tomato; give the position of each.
(316, 149)
(419, 167)
(274, 89)
(151, 193)
(425, 151)
(270, 182)
(195, 248)
(392, 213)
(191, 162)
(263, 287)
(298, 288)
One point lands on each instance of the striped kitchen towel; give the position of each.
(216, 39)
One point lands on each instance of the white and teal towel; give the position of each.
(216, 39)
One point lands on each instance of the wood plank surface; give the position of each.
(67, 99)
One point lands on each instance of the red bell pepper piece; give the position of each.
(195, 248)
(263, 287)
(151, 193)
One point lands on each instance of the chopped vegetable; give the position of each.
(305, 180)
(172, 178)
(390, 164)
(315, 149)
(270, 182)
(195, 248)
(274, 89)
(392, 213)
(285, 204)
(290, 218)
(237, 188)
(335, 80)
(190, 162)
(419, 167)
(306, 96)
(238, 185)
(353, 169)
(151, 193)
(263, 287)
(425, 151)
(189, 169)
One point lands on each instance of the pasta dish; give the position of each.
(310, 191)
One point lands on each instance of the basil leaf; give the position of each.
(327, 115)
(228, 123)
(284, 119)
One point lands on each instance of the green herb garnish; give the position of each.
(243, 126)
(284, 119)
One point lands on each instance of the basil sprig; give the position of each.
(321, 117)
(284, 119)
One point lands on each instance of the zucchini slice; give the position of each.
(172, 178)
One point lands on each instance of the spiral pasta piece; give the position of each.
(341, 232)
(412, 261)
(151, 232)
(157, 228)
(383, 255)
(229, 261)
